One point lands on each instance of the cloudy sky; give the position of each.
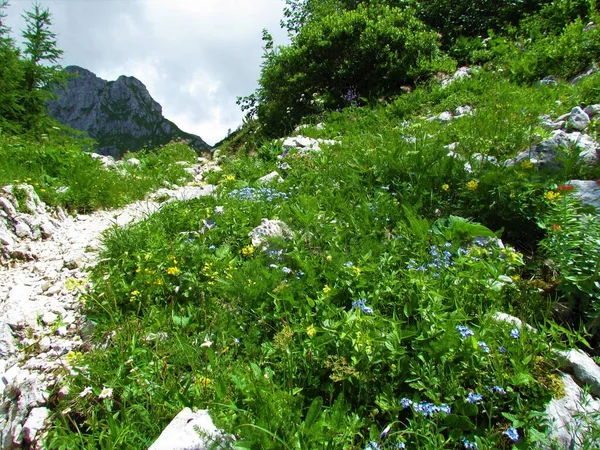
(194, 56)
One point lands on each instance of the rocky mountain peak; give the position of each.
(120, 115)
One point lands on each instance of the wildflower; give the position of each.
(230, 178)
(273, 266)
(515, 334)
(468, 444)
(311, 331)
(372, 446)
(445, 187)
(497, 390)
(527, 164)
(428, 409)
(106, 393)
(361, 303)
(348, 264)
(502, 349)
(551, 196)
(515, 278)
(565, 188)
(483, 346)
(212, 247)
(464, 331)
(400, 445)
(356, 271)
(173, 270)
(474, 398)
(326, 289)
(472, 185)
(86, 391)
(556, 228)
(512, 434)
(204, 382)
(206, 343)
(286, 270)
(42, 190)
(385, 432)
(406, 402)
(248, 250)
(328, 257)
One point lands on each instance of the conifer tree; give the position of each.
(41, 71)
(11, 77)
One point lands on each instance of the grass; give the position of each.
(63, 174)
(376, 314)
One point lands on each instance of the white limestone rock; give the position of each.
(587, 192)
(270, 178)
(583, 367)
(269, 229)
(577, 120)
(570, 417)
(191, 431)
(34, 423)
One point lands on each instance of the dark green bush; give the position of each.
(338, 60)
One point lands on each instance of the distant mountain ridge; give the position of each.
(120, 115)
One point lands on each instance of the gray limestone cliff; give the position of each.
(120, 115)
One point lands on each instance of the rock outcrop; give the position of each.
(120, 115)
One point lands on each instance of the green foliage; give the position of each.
(327, 337)
(565, 54)
(470, 18)
(41, 73)
(63, 174)
(573, 246)
(338, 59)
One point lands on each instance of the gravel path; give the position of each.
(40, 316)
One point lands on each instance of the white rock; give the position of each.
(462, 111)
(578, 119)
(9, 376)
(583, 367)
(269, 229)
(34, 423)
(270, 178)
(22, 230)
(133, 162)
(49, 318)
(512, 320)
(567, 416)
(587, 192)
(191, 431)
(592, 111)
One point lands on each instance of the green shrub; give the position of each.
(470, 18)
(339, 60)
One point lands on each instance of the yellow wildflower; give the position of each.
(134, 295)
(527, 164)
(326, 289)
(248, 250)
(204, 382)
(328, 258)
(515, 278)
(230, 178)
(42, 190)
(445, 187)
(551, 196)
(173, 270)
(311, 331)
(356, 271)
(472, 185)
